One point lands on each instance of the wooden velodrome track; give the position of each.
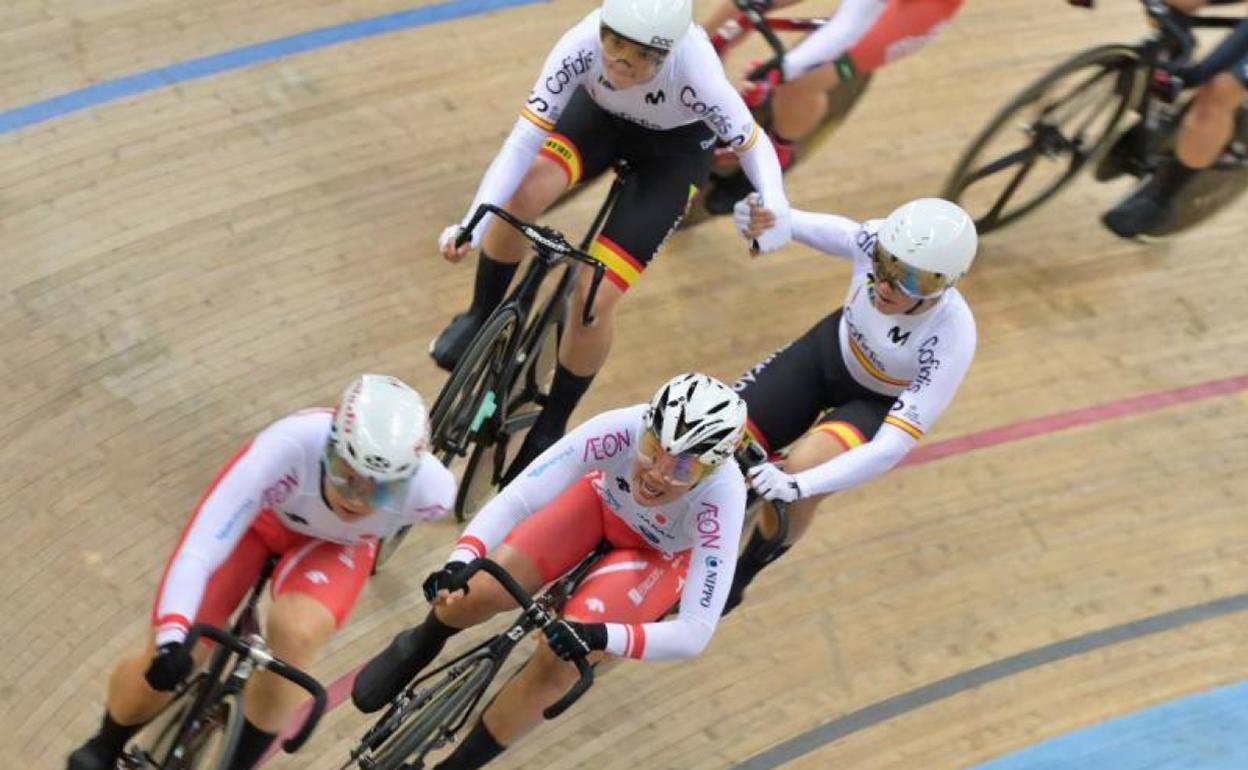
(183, 265)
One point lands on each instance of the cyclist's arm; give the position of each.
(829, 233)
(567, 65)
(944, 356)
(712, 562)
(223, 516)
(436, 491)
(554, 470)
(853, 19)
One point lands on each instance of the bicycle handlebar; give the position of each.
(750, 455)
(526, 602)
(548, 241)
(265, 660)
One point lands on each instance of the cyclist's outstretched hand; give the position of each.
(774, 484)
(444, 586)
(169, 667)
(446, 244)
(569, 639)
(750, 217)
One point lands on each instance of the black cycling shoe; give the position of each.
(91, 756)
(726, 191)
(1143, 212)
(385, 676)
(454, 340)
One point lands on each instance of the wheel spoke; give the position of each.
(994, 214)
(1021, 155)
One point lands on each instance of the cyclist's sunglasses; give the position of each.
(911, 281)
(355, 487)
(653, 57)
(678, 470)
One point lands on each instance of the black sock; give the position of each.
(476, 750)
(252, 745)
(112, 736)
(565, 393)
(493, 278)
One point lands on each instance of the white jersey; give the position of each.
(280, 471)
(706, 521)
(918, 359)
(690, 87)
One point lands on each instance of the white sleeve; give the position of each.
(567, 65)
(828, 233)
(761, 165)
(944, 357)
(857, 465)
(505, 172)
(554, 470)
(853, 19)
(712, 562)
(215, 528)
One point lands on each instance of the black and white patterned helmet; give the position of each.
(697, 414)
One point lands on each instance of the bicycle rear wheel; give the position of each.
(1045, 136)
(430, 728)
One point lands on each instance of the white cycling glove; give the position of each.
(774, 484)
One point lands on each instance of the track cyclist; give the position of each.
(1206, 131)
(318, 488)
(862, 36)
(852, 396)
(635, 79)
(654, 480)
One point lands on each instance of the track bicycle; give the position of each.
(1068, 120)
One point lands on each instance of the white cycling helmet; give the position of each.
(933, 237)
(380, 428)
(697, 415)
(654, 23)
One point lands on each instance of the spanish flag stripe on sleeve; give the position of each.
(907, 427)
(751, 141)
(622, 269)
(757, 435)
(536, 119)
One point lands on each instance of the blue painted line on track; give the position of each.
(1205, 731)
(194, 69)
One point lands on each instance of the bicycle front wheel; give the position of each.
(207, 743)
(432, 726)
(1045, 136)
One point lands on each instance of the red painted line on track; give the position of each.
(340, 689)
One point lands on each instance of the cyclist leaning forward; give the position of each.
(634, 80)
(854, 394)
(317, 488)
(653, 481)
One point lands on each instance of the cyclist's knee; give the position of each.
(553, 672)
(608, 296)
(817, 81)
(1221, 95)
(298, 626)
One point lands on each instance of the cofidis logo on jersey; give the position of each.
(572, 68)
